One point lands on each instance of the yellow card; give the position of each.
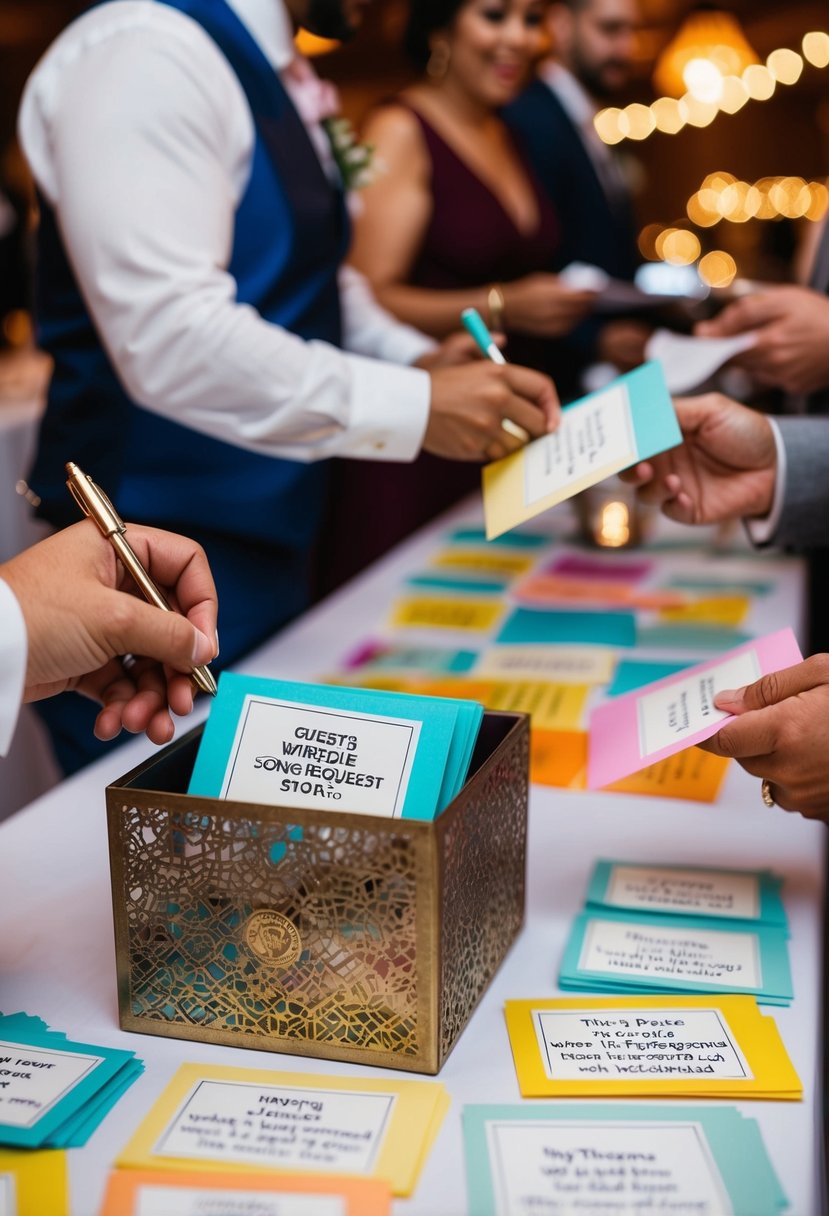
(33, 1183)
(666, 1046)
(446, 612)
(135, 1192)
(692, 774)
(225, 1118)
(484, 561)
(716, 610)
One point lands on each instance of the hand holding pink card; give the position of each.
(629, 733)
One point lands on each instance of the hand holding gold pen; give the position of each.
(94, 503)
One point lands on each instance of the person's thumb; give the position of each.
(167, 637)
(770, 689)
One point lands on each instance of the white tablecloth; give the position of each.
(57, 956)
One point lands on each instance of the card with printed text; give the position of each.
(703, 891)
(629, 732)
(225, 1118)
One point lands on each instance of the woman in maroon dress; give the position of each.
(455, 219)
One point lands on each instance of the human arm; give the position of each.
(781, 733)
(81, 610)
(791, 350)
(395, 212)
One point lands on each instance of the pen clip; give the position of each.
(93, 501)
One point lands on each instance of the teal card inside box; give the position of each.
(319, 933)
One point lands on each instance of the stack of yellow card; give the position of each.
(33, 1183)
(235, 1119)
(137, 1192)
(665, 1046)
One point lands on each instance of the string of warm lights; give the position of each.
(710, 92)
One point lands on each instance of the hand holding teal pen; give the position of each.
(474, 324)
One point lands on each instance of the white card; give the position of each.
(156, 1200)
(328, 1131)
(696, 892)
(321, 758)
(33, 1080)
(637, 1044)
(597, 1168)
(595, 435)
(8, 1195)
(560, 664)
(685, 706)
(688, 361)
(672, 953)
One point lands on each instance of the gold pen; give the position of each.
(94, 503)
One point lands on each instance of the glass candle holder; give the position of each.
(611, 516)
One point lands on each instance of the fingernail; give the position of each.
(202, 648)
(730, 695)
(216, 636)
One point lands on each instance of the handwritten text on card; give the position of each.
(32, 1081)
(686, 706)
(594, 435)
(705, 956)
(703, 892)
(638, 1043)
(153, 1200)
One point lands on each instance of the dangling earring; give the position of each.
(438, 64)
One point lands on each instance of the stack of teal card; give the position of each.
(560, 1158)
(663, 928)
(323, 747)
(54, 1093)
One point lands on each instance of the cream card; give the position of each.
(560, 1169)
(669, 953)
(561, 664)
(723, 893)
(595, 439)
(578, 1044)
(156, 1199)
(8, 1195)
(679, 710)
(332, 1131)
(34, 1080)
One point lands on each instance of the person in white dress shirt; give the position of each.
(210, 351)
(68, 609)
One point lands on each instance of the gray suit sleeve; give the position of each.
(804, 518)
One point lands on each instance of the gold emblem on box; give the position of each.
(272, 938)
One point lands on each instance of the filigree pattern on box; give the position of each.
(483, 857)
(339, 904)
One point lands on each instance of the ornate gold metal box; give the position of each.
(312, 932)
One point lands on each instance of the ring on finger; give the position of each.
(513, 428)
(766, 794)
(128, 661)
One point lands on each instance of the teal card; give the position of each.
(510, 540)
(680, 636)
(655, 425)
(55, 1092)
(636, 673)
(327, 747)
(473, 584)
(393, 656)
(707, 892)
(528, 626)
(614, 949)
(559, 1158)
(712, 586)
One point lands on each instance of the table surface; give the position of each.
(56, 948)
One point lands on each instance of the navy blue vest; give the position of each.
(291, 234)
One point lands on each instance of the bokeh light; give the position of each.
(717, 268)
(816, 48)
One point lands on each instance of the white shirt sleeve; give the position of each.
(13, 652)
(139, 135)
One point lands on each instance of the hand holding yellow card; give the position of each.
(713, 1046)
(133, 1192)
(222, 1118)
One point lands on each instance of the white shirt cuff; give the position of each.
(13, 653)
(761, 530)
(389, 410)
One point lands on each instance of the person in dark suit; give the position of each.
(593, 43)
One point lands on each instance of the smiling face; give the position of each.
(492, 45)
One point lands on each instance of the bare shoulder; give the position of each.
(395, 132)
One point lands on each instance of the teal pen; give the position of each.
(474, 324)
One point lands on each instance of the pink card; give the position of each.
(574, 565)
(629, 733)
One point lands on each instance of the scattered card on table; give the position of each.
(559, 1158)
(226, 1118)
(33, 1183)
(603, 433)
(163, 1193)
(687, 891)
(584, 1047)
(628, 733)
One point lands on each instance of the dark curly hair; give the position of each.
(426, 16)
